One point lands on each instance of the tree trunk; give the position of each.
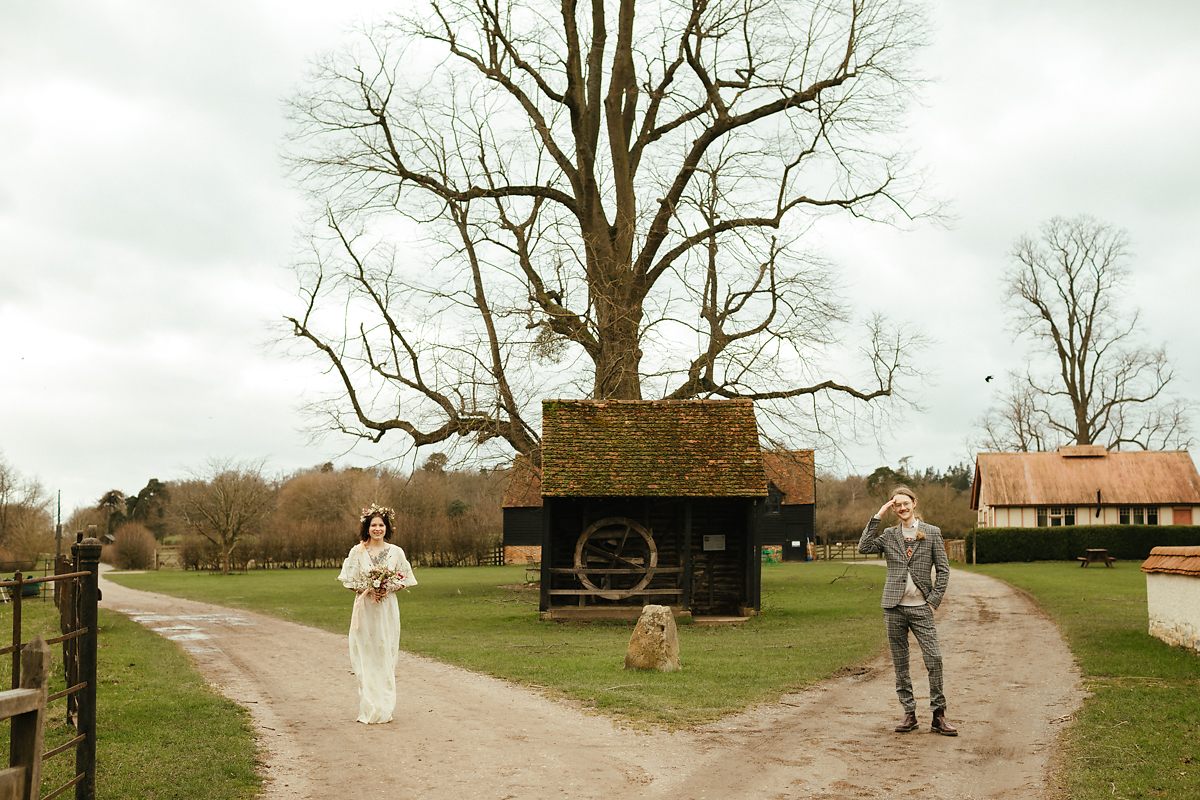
(618, 363)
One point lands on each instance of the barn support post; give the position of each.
(754, 559)
(686, 577)
(547, 556)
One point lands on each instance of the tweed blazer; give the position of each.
(929, 554)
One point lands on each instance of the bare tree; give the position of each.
(24, 512)
(603, 199)
(1105, 387)
(225, 507)
(1018, 422)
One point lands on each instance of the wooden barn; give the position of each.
(786, 518)
(648, 502)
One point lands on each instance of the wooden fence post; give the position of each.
(26, 706)
(87, 558)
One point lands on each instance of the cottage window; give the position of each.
(1139, 515)
(1041, 518)
(1057, 516)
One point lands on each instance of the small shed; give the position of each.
(522, 511)
(1173, 595)
(650, 502)
(786, 517)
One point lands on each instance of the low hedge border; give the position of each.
(1125, 542)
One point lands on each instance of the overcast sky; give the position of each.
(147, 222)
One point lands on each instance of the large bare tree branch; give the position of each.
(546, 201)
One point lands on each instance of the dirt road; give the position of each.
(1010, 681)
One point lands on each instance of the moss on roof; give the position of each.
(651, 448)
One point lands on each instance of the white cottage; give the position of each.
(1085, 485)
(1173, 595)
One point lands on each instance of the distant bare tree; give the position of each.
(226, 506)
(24, 511)
(610, 200)
(1106, 388)
(1017, 424)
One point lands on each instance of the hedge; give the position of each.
(1125, 542)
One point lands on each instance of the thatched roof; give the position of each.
(1174, 560)
(794, 473)
(651, 448)
(1073, 476)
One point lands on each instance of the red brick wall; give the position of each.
(522, 554)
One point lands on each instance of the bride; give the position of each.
(375, 620)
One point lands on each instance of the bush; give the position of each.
(196, 552)
(134, 548)
(1126, 542)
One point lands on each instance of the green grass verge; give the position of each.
(1138, 735)
(818, 619)
(161, 731)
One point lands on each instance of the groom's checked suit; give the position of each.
(928, 555)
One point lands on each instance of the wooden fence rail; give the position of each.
(76, 593)
(848, 551)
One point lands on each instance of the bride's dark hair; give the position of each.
(364, 531)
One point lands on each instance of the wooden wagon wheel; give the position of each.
(615, 543)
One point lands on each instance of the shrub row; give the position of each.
(1125, 542)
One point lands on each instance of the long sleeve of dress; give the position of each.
(400, 564)
(351, 569)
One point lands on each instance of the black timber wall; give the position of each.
(791, 524)
(522, 527)
(726, 584)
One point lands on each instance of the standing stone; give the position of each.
(655, 641)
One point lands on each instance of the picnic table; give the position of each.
(1094, 555)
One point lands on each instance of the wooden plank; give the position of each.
(609, 592)
(614, 570)
(19, 701)
(605, 612)
(12, 781)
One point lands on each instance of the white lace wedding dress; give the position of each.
(375, 633)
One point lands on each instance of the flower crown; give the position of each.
(378, 511)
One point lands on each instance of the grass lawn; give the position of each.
(1139, 733)
(162, 732)
(818, 619)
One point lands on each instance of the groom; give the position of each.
(912, 549)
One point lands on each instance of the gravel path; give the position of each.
(1010, 682)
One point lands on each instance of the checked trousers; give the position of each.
(918, 619)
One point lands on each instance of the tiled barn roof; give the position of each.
(794, 473)
(524, 488)
(651, 448)
(1073, 475)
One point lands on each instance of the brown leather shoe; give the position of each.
(940, 725)
(909, 723)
